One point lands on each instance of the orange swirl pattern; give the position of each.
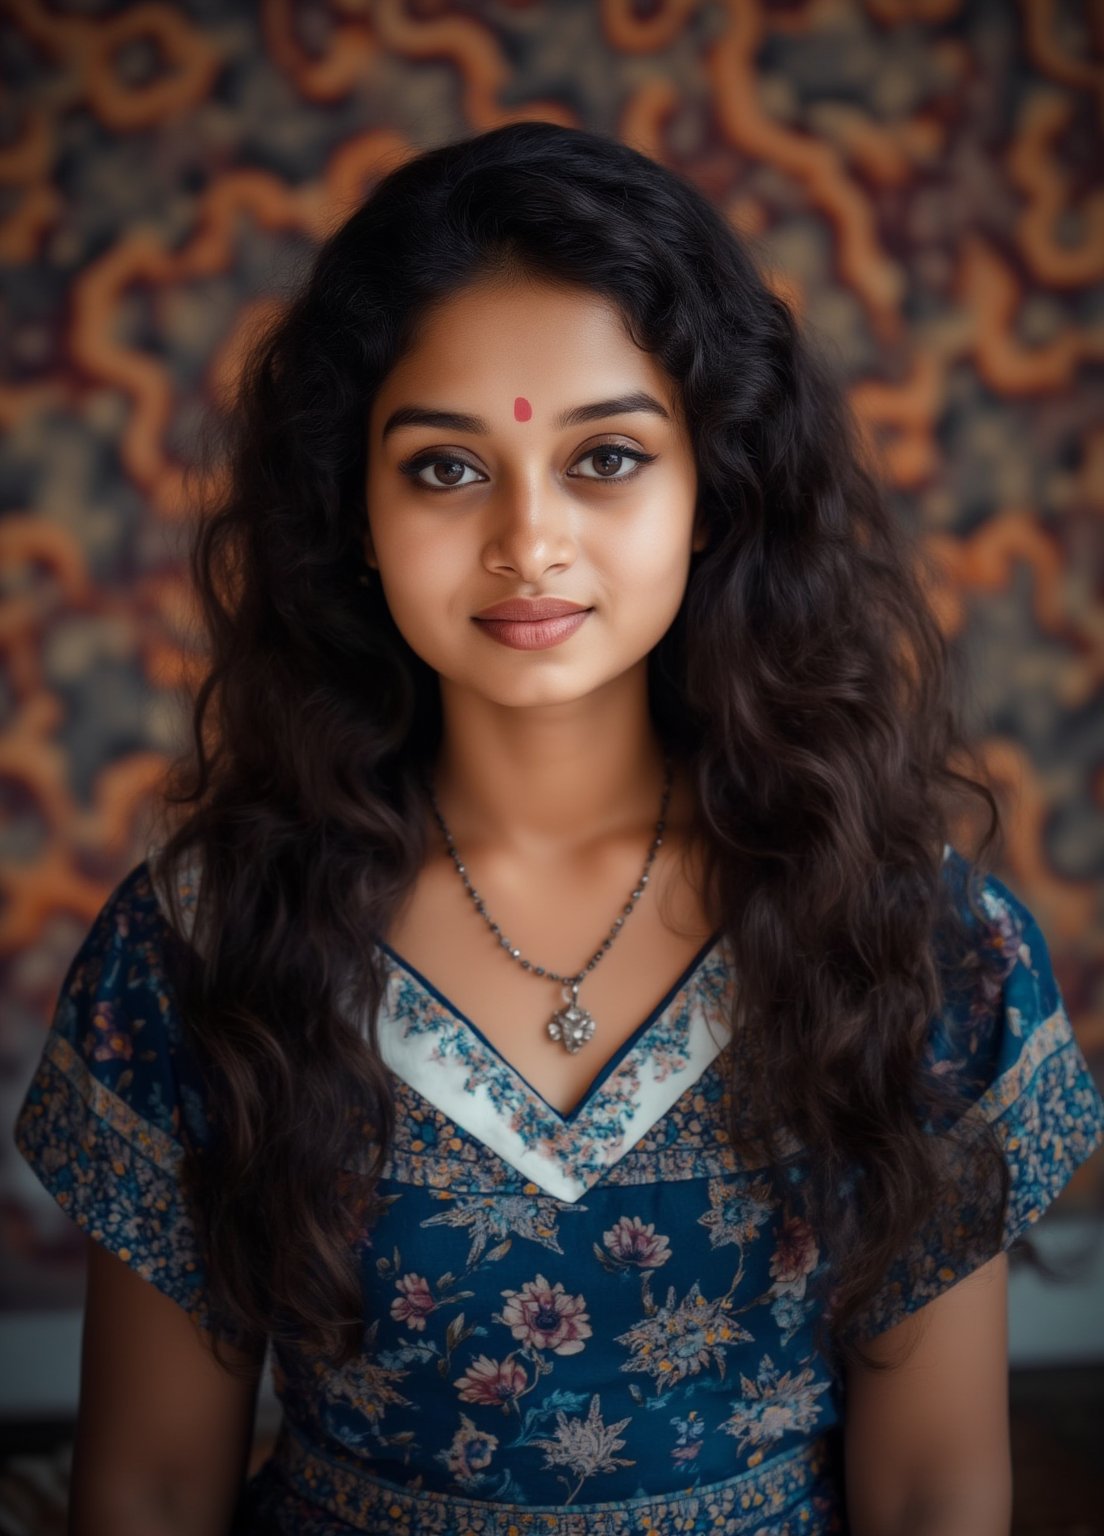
(920, 178)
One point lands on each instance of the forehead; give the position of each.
(548, 344)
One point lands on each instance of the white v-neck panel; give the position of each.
(435, 1051)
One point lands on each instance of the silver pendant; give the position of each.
(573, 1025)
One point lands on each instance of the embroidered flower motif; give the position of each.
(794, 1257)
(471, 1450)
(631, 1242)
(415, 1304)
(493, 1383)
(504, 1216)
(790, 1315)
(771, 1405)
(736, 1212)
(108, 1042)
(585, 1445)
(690, 1432)
(678, 1339)
(1006, 935)
(1005, 932)
(366, 1384)
(545, 1317)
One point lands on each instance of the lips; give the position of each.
(534, 634)
(530, 610)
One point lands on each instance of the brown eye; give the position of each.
(447, 481)
(610, 457)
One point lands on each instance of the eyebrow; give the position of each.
(457, 421)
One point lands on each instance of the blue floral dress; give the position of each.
(588, 1323)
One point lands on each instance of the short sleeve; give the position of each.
(117, 1097)
(1009, 1043)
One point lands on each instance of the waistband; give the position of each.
(794, 1492)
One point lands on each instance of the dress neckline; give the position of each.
(629, 1045)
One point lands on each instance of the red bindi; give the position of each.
(522, 409)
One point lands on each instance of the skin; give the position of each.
(928, 1446)
(543, 751)
(156, 1452)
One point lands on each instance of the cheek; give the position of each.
(423, 584)
(424, 561)
(420, 560)
(648, 563)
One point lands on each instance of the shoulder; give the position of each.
(125, 946)
(117, 1039)
(1004, 931)
(117, 1100)
(1004, 1014)
(1006, 1043)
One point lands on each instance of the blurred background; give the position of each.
(921, 179)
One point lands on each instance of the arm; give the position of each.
(163, 1432)
(927, 1443)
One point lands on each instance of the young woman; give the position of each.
(555, 1017)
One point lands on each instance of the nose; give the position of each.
(531, 529)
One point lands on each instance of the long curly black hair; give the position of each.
(805, 681)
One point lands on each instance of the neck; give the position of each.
(547, 784)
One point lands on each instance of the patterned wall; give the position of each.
(917, 176)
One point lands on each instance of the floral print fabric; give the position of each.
(589, 1323)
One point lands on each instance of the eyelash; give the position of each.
(413, 467)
